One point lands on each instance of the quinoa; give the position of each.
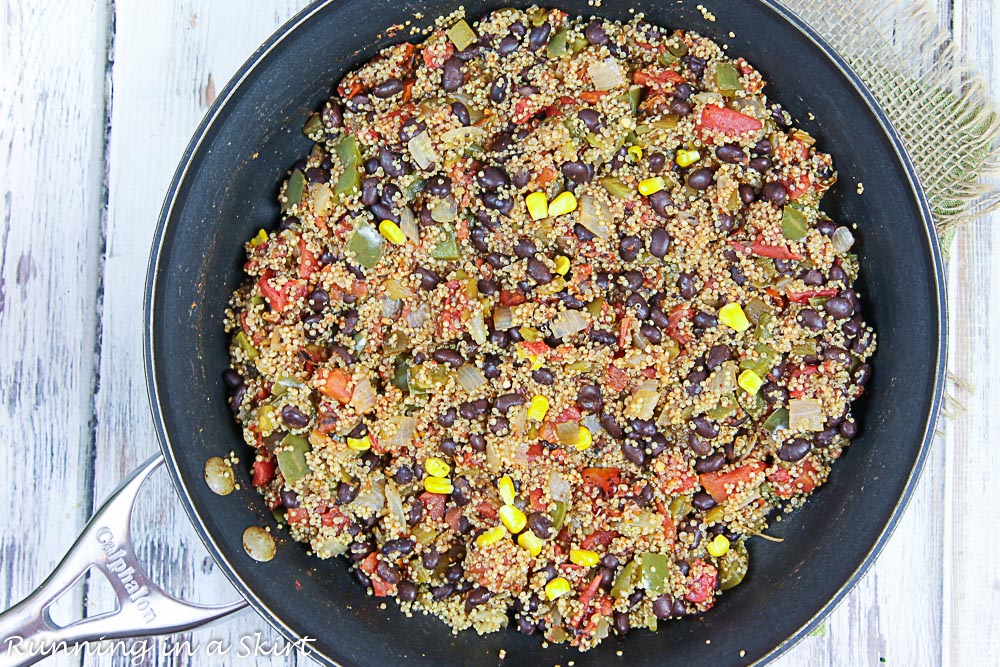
(549, 327)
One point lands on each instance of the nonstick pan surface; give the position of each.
(225, 190)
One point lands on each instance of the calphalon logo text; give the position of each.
(116, 563)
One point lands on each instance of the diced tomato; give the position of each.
(296, 515)
(770, 251)
(799, 186)
(453, 517)
(669, 529)
(263, 472)
(625, 331)
(546, 176)
(380, 588)
(438, 50)
(535, 347)
(598, 538)
(486, 510)
(657, 77)
(535, 451)
(570, 414)
(547, 432)
(307, 260)
(587, 594)
(593, 96)
(369, 564)
(680, 313)
(511, 297)
(715, 483)
(535, 499)
(333, 517)
(805, 369)
(433, 504)
(335, 383)
(277, 297)
(607, 479)
(802, 297)
(617, 378)
(524, 109)
(715, 118)
(703, 586)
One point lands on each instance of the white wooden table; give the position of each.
(98, 101)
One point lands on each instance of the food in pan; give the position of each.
(551, 324)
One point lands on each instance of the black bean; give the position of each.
(826, 227)
(760, 164)
(392, 163)
(730, 153)
(360, 102)
(540, 524)
(492, 178)
(680, 107)
(595, 32)
(539, 36)
(634, 453)
(508, 45)
(440, 186)
(388, 88)
(603, 337)
(411, 128)
(577, 171)
(317, 175)
(794, 449)
(812, 277)
(294, 417)
(747, 193)
(289, 499)
(448, 356)
(505, 402)
(611, 426)
(369, 191)
(477, 238)
(703, 501)
(347, 492)
(638, 305)
(403, 545)
(443, 591)
(659, 242)
(837, 354)
(332, 115)
(477, 596)
(659, 318)
(610, 561)
(838, 308)
(659, 202)
(811, 319)
(491, 364)
(717, 355)
(524, 248)
(499, 425)
(848, 429)
(406, 591)
(461, 113)
(539, 271)
(498, 93)
(591, 118)
(452, 76)
(663, 607)
(232, 378)
(700, 179)
(775, 192)
(686, 286)
(543, 376)
(704, 427)
(703, 320)
(862, 375)
(589, 397)
(711, 463)
(629, 248)
(698, 446)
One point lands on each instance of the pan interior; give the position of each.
(225, 191)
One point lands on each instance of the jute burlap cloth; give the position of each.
(939, 106)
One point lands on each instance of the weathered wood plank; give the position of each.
(51, 198)
(971, 579)
(168, 58)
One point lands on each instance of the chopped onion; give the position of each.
(592, 423)
(394, 502)
(391, 307)
(559, 488)
(470, 377)
(219, 476)
(474, 113)
(843, 239)
(363, 397)
(422, 150)
(709, 98)
(568, 432)
(492, 458)
(644, 400)
(322, 198)
(606, 74)
(419, 316)
(408, 223)
(405, 428)
(331, 547)
(723, 380)
(394, 289)
(590, 217)
(463, 135)
(519, 419)
(374, 499)
(259, 544)
(567, 322)
(503, 318)
(445, 210)
(805, 414)
(477, 327)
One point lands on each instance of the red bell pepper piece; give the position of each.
(802, 297)
(433, 504)
(263, 472)
(307, 260)
(276, 297)
(598, 538)
(715, 118)
(296, 515)
(703, 586)
(335, 383)
(604, 478)
(715, 483)
(617, 378)
(770, 251)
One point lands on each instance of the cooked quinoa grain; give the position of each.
(551, 324)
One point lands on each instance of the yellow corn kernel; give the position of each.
(491, 536)
(585, 440)
(360, 444)
(536, 360)
(686, 158)
(530, 542)
(732, 316)
(440, 485)
(562, 265)
(635, 152)
(391, 231)
(718, 547)
(260, 239)
(513, 518)
(651, 185)
(538, 408)
(557, 588)
(750, 382)
(506, 487)
(538, 208)
(437, 467)
(565, 202)
(265, 419)
(584, 557)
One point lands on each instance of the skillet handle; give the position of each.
(27, 631)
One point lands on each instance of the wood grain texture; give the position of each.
(51, 200)
(71, 283)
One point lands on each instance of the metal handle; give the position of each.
(27, 632)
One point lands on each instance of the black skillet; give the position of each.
(225, 189)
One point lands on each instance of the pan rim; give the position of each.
(302, 17)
